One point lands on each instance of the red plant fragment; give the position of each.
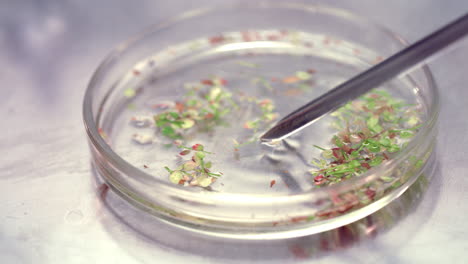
(319, 179)
(337, 153)
(273, 37)
(209, 116)
(298, 219)
(197, 147)
(385, 156)
(246, 36)
(346, 148)
(273, 182)
(370, 193)
(207, 82)
(185, 152)
(160, 106)
(179, 106)
(216, 39)
(366, 165)
(223, 82)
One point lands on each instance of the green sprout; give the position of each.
(195, 171)
(204, 106)
(262, 81)
(372, 129)
(130, 92)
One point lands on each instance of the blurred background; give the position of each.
(48, 51)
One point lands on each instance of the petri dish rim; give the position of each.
(135, 174)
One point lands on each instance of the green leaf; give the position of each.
(319, 163)
(354, 164)
(319, 147)
(204, 180)
(189, 165)
(387, 178)
(373, 148)
(168, 131)
(343, 171)
(174, 115)
(191, 102)
(302, 75)
(354, 154)
(413, 120)
(382, 93)
(177, 124)
(197, 159)
(389, 117)
(201, 155)
(337, 141)
(373, 124)
(327, 154)
(393, 148)
(385, 142)
(129, 93)
(376, 161)
(406, 134)
(198, 147)
(187, 123)
(176, 176)
(418, 164)
(372, 121)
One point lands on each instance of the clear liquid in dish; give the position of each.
(265, 77)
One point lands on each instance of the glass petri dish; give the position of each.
(264, 60)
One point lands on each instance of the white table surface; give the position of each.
(49, 208)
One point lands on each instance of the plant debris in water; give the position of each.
(203, 108)
(194, 171)
(372, 129)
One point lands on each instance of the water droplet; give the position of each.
(141, 121)
(74, 217)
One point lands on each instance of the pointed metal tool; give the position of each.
(367, 80)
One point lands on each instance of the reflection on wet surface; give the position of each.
(130, 224)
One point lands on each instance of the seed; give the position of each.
(353, 138)
(187, 123)
(198, 147)
(185, 152)
(272, 183)
(189, 165)
(302, 75)
(176, 176)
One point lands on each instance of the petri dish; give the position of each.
(173, 117)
